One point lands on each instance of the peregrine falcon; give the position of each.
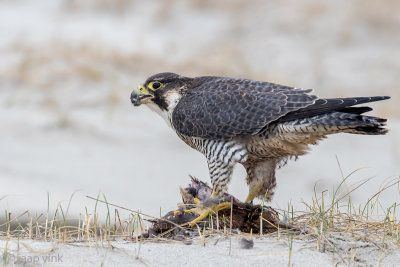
(257, 124)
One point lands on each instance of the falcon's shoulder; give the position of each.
(218, 108)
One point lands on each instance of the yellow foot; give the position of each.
(178, 212)
(205, 212)
(253, 192)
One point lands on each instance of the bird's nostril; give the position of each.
(142, 89)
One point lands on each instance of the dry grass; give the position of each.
(108, 6)
(331, 224)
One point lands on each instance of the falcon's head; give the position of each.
(163, 89)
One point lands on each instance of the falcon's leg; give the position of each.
(253, 192)
(261, 179)
(221, 157)
(220, 173)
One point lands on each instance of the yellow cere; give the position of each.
(154, 85)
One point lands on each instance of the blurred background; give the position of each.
(67, 69)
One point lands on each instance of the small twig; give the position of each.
(380, 191)
(348, 193)
(69, 202)
(138, 212)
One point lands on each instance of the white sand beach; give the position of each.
(68, 128)
(217, 251)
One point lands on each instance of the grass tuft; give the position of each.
(328, 221)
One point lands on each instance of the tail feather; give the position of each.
(327, 116)
(324, 106)
(356, 110)
(370, 130)
(350, 123)
(336, 122)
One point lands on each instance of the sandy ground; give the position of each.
(67, 125)
(217, 251)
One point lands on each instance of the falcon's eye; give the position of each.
(154, 85)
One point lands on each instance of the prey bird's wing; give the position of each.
(221, 108)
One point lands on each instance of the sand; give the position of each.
(218, 250)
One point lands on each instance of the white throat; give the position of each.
(172, 100)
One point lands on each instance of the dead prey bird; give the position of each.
(196, 198)
(257, 124)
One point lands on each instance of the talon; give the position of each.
(200, 218)
(208, 211)
(253, 192)
(190, 210)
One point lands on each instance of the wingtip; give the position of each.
(383, 97)
(378, 98)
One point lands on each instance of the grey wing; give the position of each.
(220, 108)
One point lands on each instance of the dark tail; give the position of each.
(339, 112)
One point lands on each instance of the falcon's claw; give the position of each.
(253, 192)
(193, 210)
(204, 213)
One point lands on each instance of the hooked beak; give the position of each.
(140, 96)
